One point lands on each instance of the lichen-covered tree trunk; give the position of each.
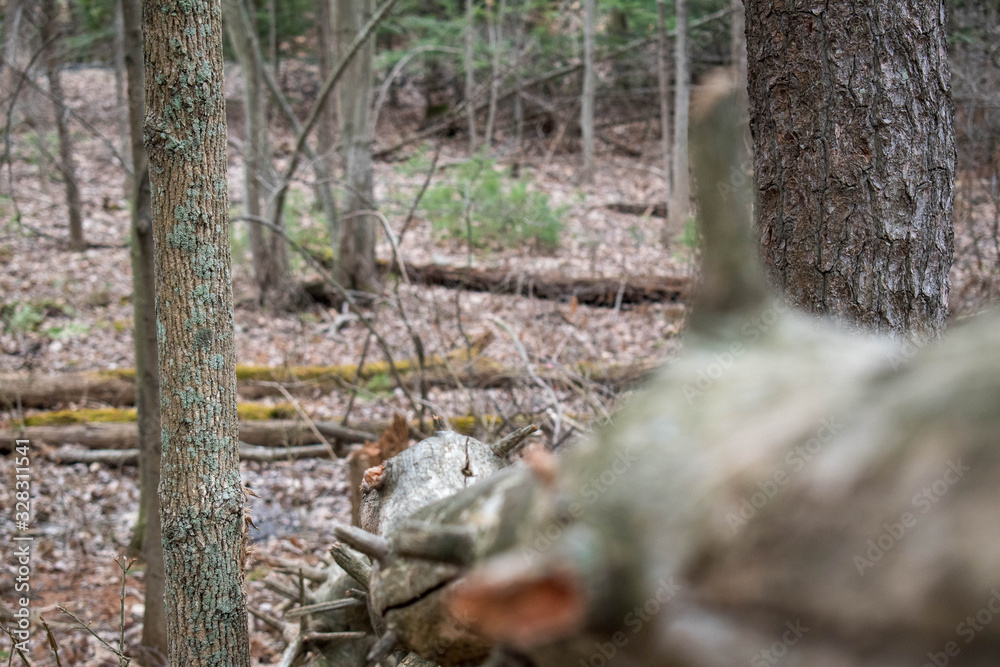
(201, 496)
(147, 536)
(357, 241)
(851, 117)
(267, 247)
(49, 32)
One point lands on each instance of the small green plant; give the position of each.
(689, 236)
(66, 331)
(483, 206)
(21, 316)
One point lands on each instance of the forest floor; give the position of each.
(71, 311)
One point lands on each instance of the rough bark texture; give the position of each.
(357, 241)
(855, 157)
(201, 496)
(267, 247)
(148, 537)
(49, 32)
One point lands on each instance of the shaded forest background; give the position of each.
(554, 356)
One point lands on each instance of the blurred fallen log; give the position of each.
(601, 292)
(274, 433)
(117, 388)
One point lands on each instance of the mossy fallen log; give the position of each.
(253, 382)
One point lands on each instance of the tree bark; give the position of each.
(50, 34)
(201, 496)
(147, 537)
(587, 98)
(495, 29)
(357, 242)
(663, 77)
(267, 248)
(326, 126)
(855, 158)
(680, 206)
(470, 73)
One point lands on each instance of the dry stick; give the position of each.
(314, 113)
(330, 280)
(14, 649)
(544, 386)
(298, 409)
(357, 387)
(418, 348)
(313, 637)
(420, 195)
(352, 563)
(86, 627)
(53, 646)
(309, 609)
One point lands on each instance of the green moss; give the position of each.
(245, 411)
(98, 415)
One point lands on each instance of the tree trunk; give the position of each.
(855, 158)
(663, 76)
(326, 126)
(496, 47)
(147, 536)
(267, 248)
(587, 99)
(50, 34)
(680, 206)
(201, 496)
(357, 242)
(470, 73)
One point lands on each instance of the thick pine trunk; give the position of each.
(147, 536)
(855, 158)
(201, 496)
